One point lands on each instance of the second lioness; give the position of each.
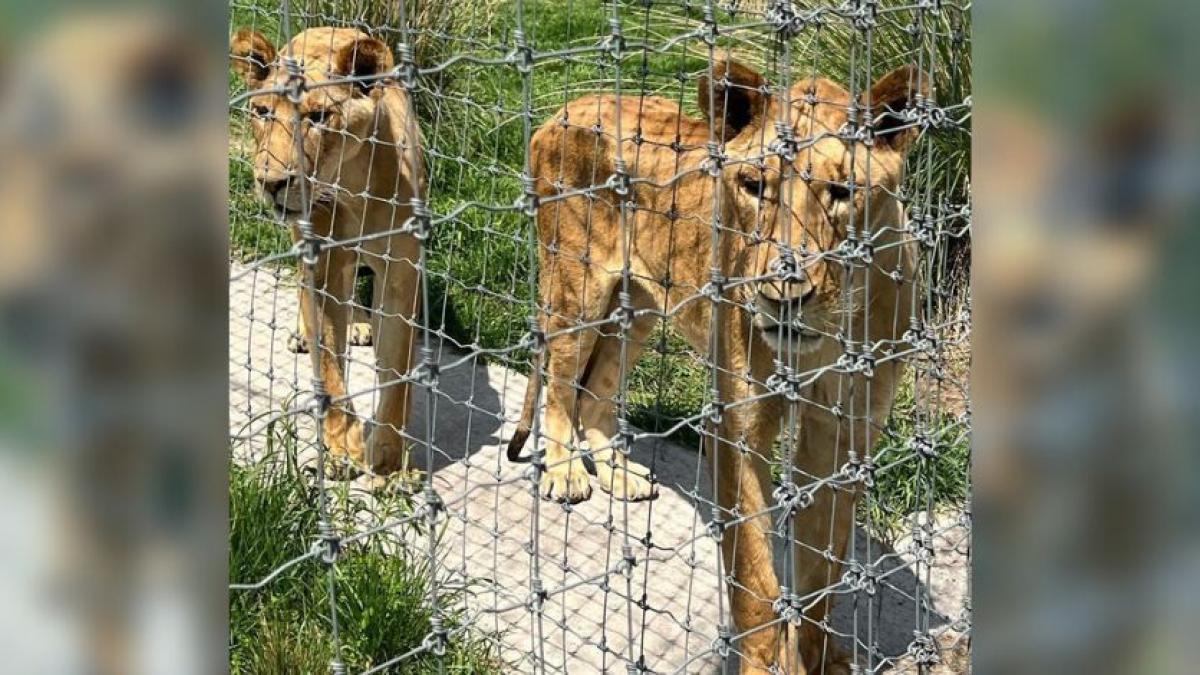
(760, 238)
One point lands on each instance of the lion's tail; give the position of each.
(526, 423)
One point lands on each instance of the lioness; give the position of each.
(361, 160)
(793, 299)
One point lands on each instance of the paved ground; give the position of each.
(592, 607)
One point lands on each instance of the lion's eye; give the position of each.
(317, 116)
(261, 111)
(752, 185)
(839, 193)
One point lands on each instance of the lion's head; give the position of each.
(797, 189)
(338, 123)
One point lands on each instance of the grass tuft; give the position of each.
(382, 595)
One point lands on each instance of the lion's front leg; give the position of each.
(822, 532)
(397, 301)
(328, 310)
(743, 481)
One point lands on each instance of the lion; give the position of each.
(774, 245)
(361, 165)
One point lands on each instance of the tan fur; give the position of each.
(582, 254)
(367, 144)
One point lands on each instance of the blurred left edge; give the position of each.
(113, 339)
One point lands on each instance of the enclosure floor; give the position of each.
(490, 542)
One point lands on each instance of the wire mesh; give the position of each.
(733, 298)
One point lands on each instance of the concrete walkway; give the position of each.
(498, 537)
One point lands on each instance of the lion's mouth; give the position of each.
(788, 338)
(780, 331)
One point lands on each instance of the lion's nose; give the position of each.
(808, 293)
(273, 187)
(798, 289)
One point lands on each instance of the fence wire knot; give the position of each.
(296, 84)
(788, 607)
(328, 545)
(861, 577)
(422, 219)
(723, 643)
(923, 649)
(784, 18)
(789, 497)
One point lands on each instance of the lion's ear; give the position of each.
(252, 56)
(364, 57)
(733, 98)
(888, 97)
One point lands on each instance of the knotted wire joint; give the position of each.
(522, 54)
(321, 398)
(788, 607)
(614, 44)
(864, 13)
(620, 180)
(923, 446)
(786, 382)
(714, 290)
(923, 650)
(311, 242)
(860, 577)
(406, 69)
(438, 637)
(328, 545)
(427, 373)
(926, 114)
(856, 251)
(628, 561)
(529, 201)
(536, 341)
(723, 643)
(537, 597)
(296, 85)
(791, 498)
(784, 18)
(623, 442)
(422, 223)
(716, 158)
(785, 144)
(710, 32)
(922, 227)
(859, 470)
(713, 413)
(716, 527)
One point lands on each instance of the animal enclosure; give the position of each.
(624, 336)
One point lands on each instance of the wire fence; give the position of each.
(625, 336)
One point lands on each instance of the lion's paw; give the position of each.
(836, 662)
(297, 343)
(631, 483)
(361, 335)
(567, 482)
(386, 453)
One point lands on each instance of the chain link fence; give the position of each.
(588, 337)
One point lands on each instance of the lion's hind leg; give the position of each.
(580, 296)
(621, 477)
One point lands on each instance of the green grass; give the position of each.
(908, 481)
(480, 262)
(382, 597)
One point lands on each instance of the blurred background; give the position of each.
(113, 342)
(1084, 380)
